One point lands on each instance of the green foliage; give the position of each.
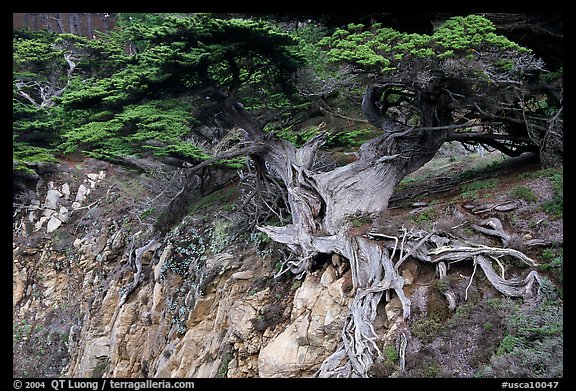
(547, 172)
(214, 200)
(353, 138)
(525, 193)
(427, 215)
(555, 207)
(118, 103)
(223, 368)
(160, 127)
(426, 328)
(479, 185)
(383, 49)
(554, 259)
(470, 32)
(189, 251)
(442, 285)
(358, 221)
(533, 344)
(41, 73)
(148, 212)
(220, 236)
(391, 354)
(508, 344)
(472, 190)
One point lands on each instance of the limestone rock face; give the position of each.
(94, 354)
(319, 310)
(191, 314)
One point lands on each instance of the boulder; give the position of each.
(66, 191)
(63, 214)
(52, 198)
(53, 224)
(83, 191)
(96, 351)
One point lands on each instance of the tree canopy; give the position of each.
(462, 74)
(148, 87)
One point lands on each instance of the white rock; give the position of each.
(40, 223)
(52, 198)
(93, 177)
(245, 275)
(92, 183)
(48, 212)
(77, 242)
(83, 191)
(66, 191)
(53, 224)
(63, 214)
(407, 276)
(75, 205)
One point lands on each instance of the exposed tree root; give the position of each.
(374, 273)
(321, 205)
(136, 264)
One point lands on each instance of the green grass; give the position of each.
(221, 198)
(524, 193)
(554, 259)
(358, 221)
(426, 216)
(390, 354)
(547, 172)
(555, 207)
(508, 344)
(472, 190)
(479, 185)
(223, 368)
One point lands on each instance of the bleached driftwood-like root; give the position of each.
(450, 296)
(372, 279)
(493, 227)
(373, 274)
(321, 206)
(402, 350)
(136, 263)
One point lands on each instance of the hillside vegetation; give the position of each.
(229, 195)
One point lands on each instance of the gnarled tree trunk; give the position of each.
(322, 205)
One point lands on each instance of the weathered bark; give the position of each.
(322, 205)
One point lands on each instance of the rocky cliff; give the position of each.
(211, 299)
(204, 307)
